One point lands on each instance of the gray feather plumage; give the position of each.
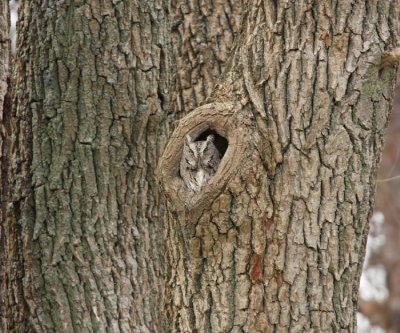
(199, 163)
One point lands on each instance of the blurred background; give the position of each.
(379, 303)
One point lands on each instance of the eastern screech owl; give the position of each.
(200, 160)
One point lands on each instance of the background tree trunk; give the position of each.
(276, 241)
(5, 55)
(84, 248)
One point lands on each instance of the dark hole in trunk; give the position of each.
(220, 142)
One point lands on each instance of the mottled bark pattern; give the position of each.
(88, 129)
(281, 248)
(203, 33)
(5, 58)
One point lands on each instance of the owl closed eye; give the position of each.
(199, 162)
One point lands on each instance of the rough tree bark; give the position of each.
(275, 243)
(83, 251)
(92, 103)
(202, 37)
(5, 53)
(92, 96)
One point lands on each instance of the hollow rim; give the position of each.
(227, 119)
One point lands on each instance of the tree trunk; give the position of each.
(93, 100)
(84, 251)
(202, 33)
(275, 242)
(260, 248)
(5, 55)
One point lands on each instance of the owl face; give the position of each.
(200, 153)
(199, 162)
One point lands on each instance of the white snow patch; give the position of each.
(373, 284)
(364, 326)
(373, 279)
(13, 23)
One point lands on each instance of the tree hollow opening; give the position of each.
(220, 142)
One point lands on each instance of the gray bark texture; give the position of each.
(5, 52)
(203, 33)
(94, 94)
(83, 251)
(276, 241)
(273, 244)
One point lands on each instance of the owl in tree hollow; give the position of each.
(200, 160)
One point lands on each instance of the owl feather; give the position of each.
(199, 162)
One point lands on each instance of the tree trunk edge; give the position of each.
(5, 111)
